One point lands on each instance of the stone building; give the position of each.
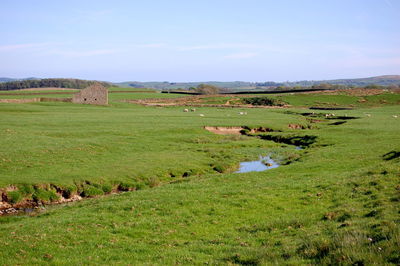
(94, 94)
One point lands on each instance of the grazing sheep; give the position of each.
(395, 116)
(368, 115)
(241, 113)
(201, 115)
(193, 110)
(186, 110)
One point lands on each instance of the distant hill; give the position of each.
(242, 85)
(234, 85)
(385, 80)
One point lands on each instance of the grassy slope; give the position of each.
(308, 100)
(341, 100)
(338, 204)
(62, 143)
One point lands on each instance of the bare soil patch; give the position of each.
(296, 126)
(225, 130)
(237, 130)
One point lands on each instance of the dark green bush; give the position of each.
(69, 191)
(219, 168)
(107, 188)
(263, 101)
(14, 196)
(126, 186)
(91, 191)
(26, 189)
(139, 186)
(45, 195)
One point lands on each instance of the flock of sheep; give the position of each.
(245, 113)
(186, 110)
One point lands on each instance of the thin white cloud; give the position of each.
(83, 53)
(262, 48)
(217, 46)
(150, 45)
(24, 46)
(240, 55)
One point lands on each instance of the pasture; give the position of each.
(334, 202)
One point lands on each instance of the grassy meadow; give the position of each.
(337, 201)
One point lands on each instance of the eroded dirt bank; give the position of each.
(225, 130)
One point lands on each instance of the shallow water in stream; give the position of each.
(264, 163)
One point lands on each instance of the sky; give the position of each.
(199, 40)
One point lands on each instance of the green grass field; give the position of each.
(334, 202)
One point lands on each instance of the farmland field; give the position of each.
(336, 201)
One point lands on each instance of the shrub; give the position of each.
(26, 189)
(14, 196)
(263, 101)
(69, 191)
(91, 191)
(126, 186)
(153, 182)
(107, 188)
(45, 195)
(207, 89)
(219, 168)
(129, 186)
(139, 186)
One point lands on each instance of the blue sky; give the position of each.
(200, 40)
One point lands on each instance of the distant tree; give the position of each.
(393, 87)
(55, 83)
(322, 86)
(207, 89)
(373, 86)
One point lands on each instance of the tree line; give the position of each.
(52, 82)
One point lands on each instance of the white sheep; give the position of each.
(186, 110)
(201, 115)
